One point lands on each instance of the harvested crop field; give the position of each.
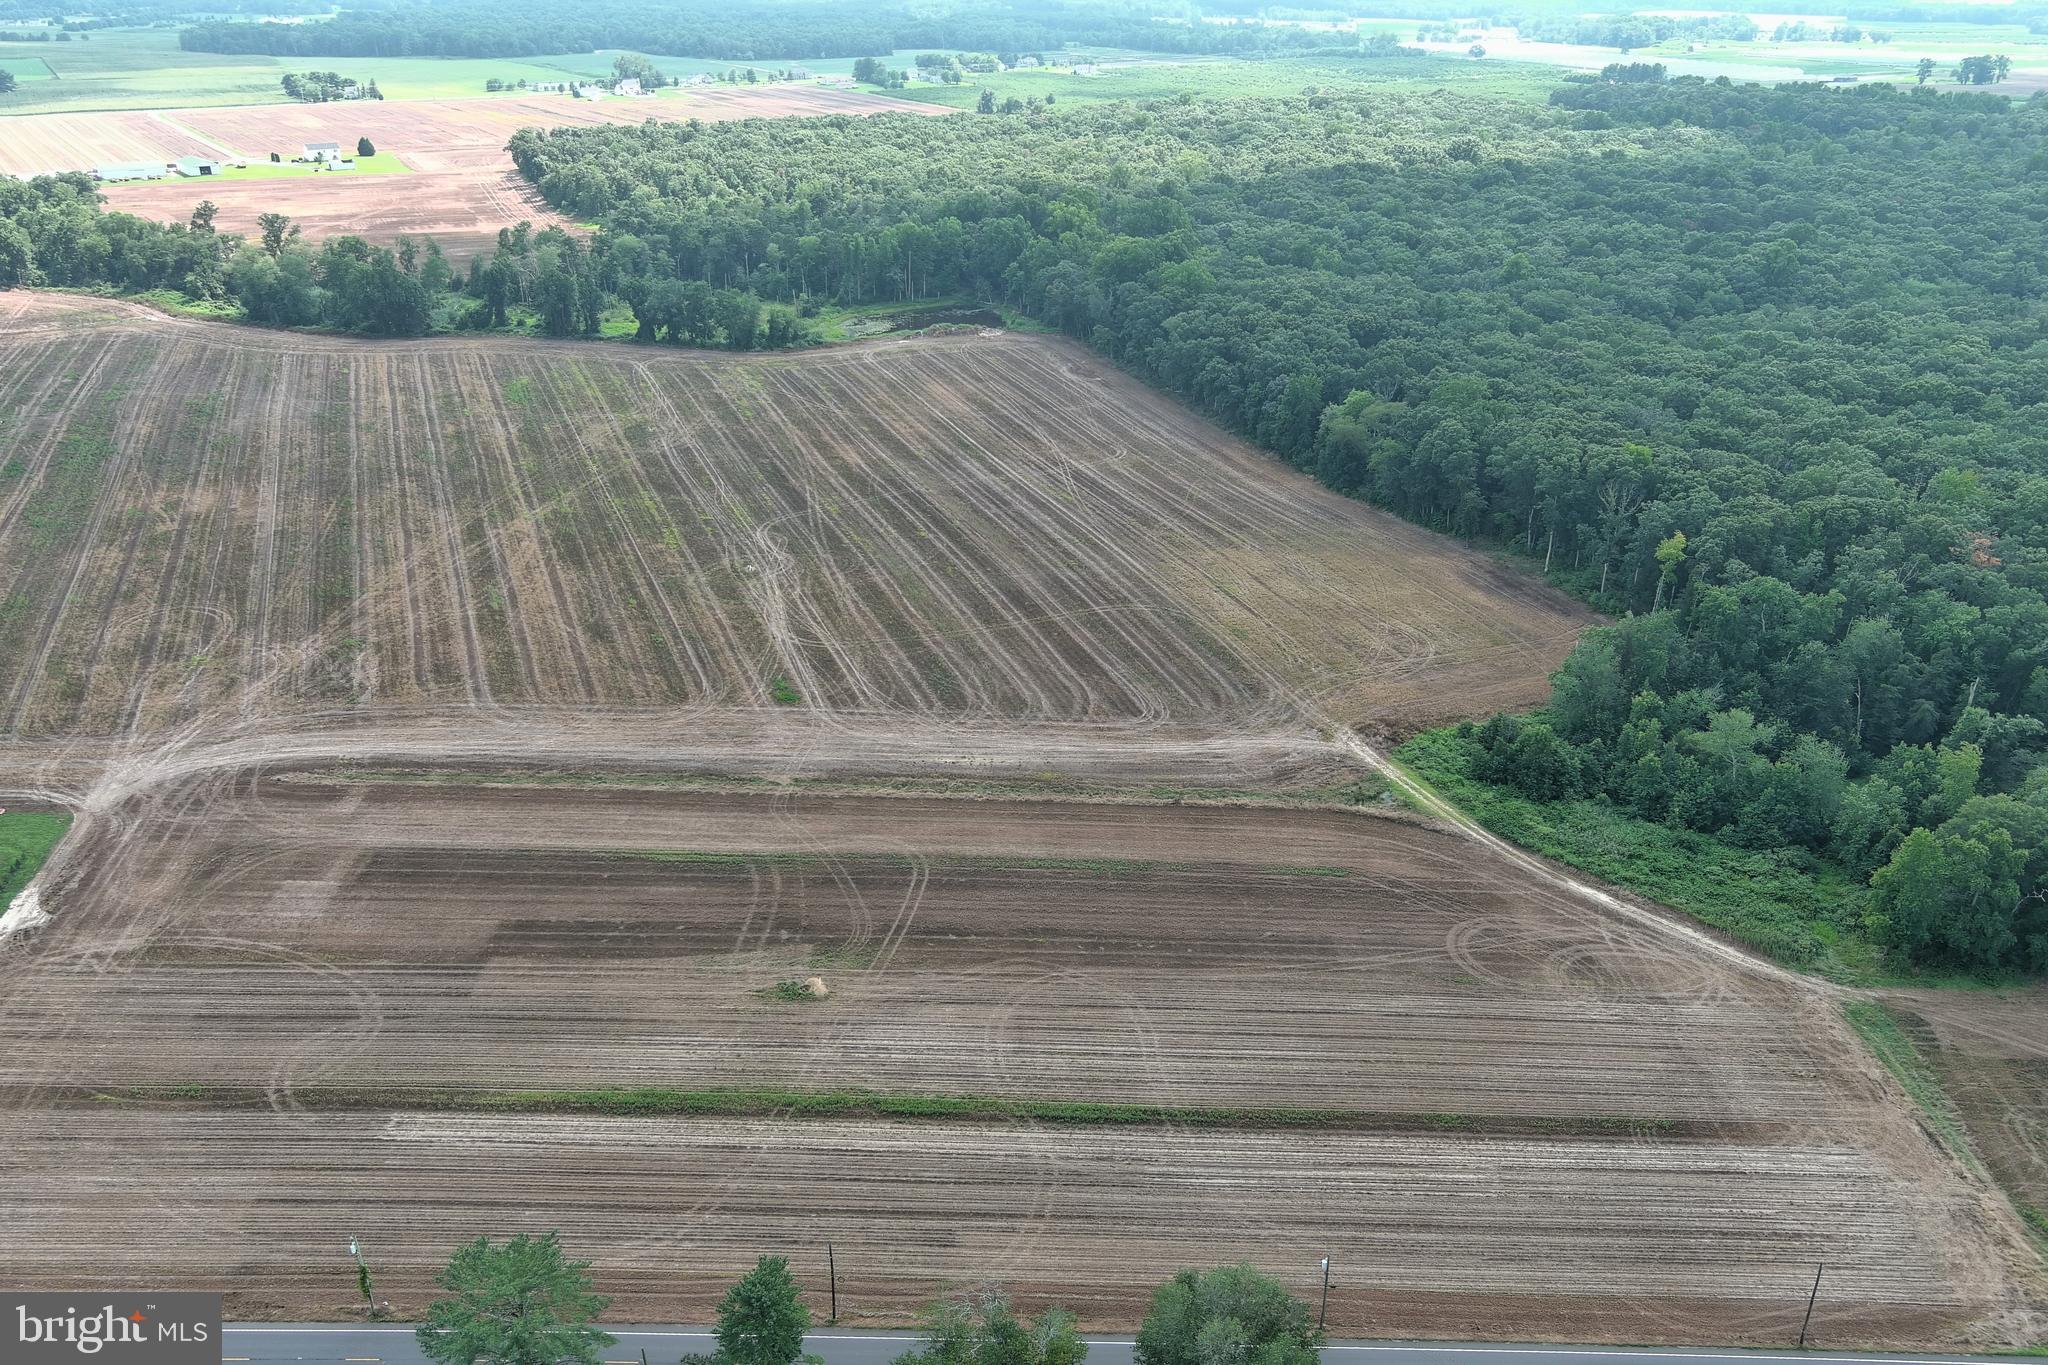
(40, 144)
(470, 741)
(462, 210)
(1990, 1054)
(1501, 1111)
(464, 187)
(200, 521)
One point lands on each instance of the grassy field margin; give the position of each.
(26, 840)
(1785, 904)
(660, 1102)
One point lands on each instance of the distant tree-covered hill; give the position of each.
(731, 31)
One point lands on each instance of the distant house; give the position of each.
(322, 151)
(701, 79)
(1024, 63)
(551, 87)
(628, 86)
(114, 172)
(837, 82)
(590, 92)
(1087, 69)
(196, 165)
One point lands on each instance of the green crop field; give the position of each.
(24, 68)
(384, 163)
(1242, 79)
(145, 69)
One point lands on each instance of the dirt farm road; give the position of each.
(316, 1344)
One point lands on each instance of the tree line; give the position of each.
(1736, 363)
(523, 1302)
(750, 31)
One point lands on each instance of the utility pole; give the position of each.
(832, 1272)
(1323, 1313)
(1808, 1320)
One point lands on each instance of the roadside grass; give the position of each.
(27, 838)
(1785, 904)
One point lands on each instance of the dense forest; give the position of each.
(1741, 364)
(731, 30)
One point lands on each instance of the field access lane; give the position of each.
(319, 1344)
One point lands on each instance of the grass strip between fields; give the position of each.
(975, 862)
(26, 841)
(658, 1102)
(1365, 790)
(1888, 1041)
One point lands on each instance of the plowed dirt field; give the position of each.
(465, 739)
(198, 522)
(463, 189)
(263, 997)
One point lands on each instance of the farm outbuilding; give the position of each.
(196, 165)
(115, 171)
(323, 151)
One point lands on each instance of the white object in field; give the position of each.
(25, 913)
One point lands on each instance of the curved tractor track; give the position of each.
(450, 719)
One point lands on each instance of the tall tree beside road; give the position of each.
(761, 1321)
(1233, 1314)
(517, 1304)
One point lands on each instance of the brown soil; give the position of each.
(1991, 1053)
(41, 144)
(208, 523)
(279, 938)
(241, 570)
(464, 187)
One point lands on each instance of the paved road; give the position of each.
(317, 1344)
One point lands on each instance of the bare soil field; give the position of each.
(467, 134)
(464, 189)
(1537, 1119)
(41, 144)
(1991, 1054)
(199, 523)
(462, 210)
(1083, 952)
(454, 725)
(1457, 1236)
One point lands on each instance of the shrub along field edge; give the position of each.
(1786, 904)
